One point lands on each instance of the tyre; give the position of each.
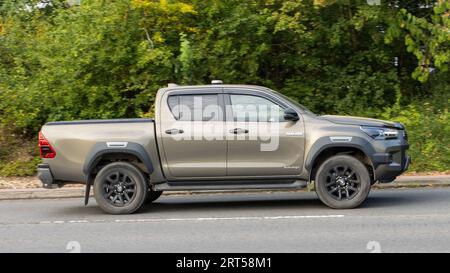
(152, 196)
(120, 188)
(342, 182)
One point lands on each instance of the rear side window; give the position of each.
(195, 107)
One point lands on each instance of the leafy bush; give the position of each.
(18, 156)
(106, 59)
(428, 127)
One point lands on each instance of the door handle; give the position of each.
(174, 131)
(238, 131)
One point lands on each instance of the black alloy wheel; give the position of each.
(342, 182)
(120, 188)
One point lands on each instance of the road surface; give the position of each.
(398, 220)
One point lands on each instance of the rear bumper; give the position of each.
(392, 163)
(46, 176)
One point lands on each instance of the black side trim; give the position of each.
(243, 185)
(230, 182)
(100, 121)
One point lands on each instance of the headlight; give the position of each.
(380, 132)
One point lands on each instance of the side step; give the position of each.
(229, 185)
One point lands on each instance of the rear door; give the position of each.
(192, 133)
(260, 141)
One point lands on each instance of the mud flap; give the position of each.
(87, 191)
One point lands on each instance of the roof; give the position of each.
(207, 86)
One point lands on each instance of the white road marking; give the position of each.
(255, 218)
(78, 221)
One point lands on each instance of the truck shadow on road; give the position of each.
(234, 205)
(260, 202)
(307, 201)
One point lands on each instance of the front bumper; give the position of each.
(46, 176)
(390, 164)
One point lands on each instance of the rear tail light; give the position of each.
(45, 149)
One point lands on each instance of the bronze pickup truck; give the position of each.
(222, 137)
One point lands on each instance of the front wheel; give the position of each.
(120, 188)
(342, 182)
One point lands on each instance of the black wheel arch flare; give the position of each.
(101, 149)
(325, 143)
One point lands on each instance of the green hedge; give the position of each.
(107, 59)
(428, 127)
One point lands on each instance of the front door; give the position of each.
(260, 141)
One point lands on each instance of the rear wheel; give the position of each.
(120, 188)
(342, 182)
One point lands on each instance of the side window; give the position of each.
(195, 107)
(255, 108)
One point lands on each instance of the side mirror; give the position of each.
(291, 114)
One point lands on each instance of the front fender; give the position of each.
(324, 143)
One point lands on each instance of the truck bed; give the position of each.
(74, 141)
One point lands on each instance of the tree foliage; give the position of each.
(106, 59)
